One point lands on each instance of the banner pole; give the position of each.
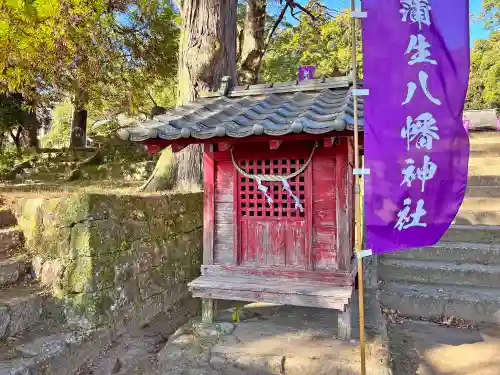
(358, 230)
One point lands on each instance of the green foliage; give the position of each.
(324, 42)
(58, 136)
(491, 12)
(110, 56)
(484, 82)
(8, 159)
(12, 111)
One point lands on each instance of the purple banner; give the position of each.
(466, 124)
(416, 66)
(306, 73)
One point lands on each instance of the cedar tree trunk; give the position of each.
(207, 52)
(32, 126)
(252, 49)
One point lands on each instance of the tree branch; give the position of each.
(275, 26)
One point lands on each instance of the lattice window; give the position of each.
(253, 203)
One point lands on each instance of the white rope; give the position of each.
(272, 178)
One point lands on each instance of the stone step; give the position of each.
(10, 239)
(451, 252)
(489, 149)
(488, 234)
(11, 270)
(55, 351)
(483, 180)
(429, 272)
(474, 304)
(483, 192)
(490, 161)
(21, 306)
(482, 138)
(483, 170)
(479, 211)
(7, 218)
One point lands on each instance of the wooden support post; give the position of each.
(358, 206)
(208, 310)
(344, 324)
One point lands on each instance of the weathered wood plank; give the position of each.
(333, 277)
(295, 243)
(224, 212)
(325, 247)
(273, 291)
(324, 179)
(224, 181)
(277, 243)
(223, 244)
(324, 214)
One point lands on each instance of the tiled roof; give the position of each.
(315, 106)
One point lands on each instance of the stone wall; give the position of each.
(106, 257)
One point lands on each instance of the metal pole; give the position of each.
(358, 230)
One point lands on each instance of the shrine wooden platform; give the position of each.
(273, 290)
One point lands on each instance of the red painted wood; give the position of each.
(328, 142)
(208, 209)
(278, 236)
(224, 191)
(274, 144)
(162, 143)
(296, 244)
(236, 221)
(308, 204)
(223, 146)
(277, 243)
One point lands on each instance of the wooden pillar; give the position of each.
(208, 306)
(344, 324)
(208, 310)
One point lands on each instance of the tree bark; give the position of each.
(32, 125)
(16, 138)
(253, 46)
(207, 52)
(78, 131)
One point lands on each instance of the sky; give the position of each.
(477, 29)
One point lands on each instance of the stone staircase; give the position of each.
(460, 276)
(34, 337)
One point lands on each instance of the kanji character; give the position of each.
(412, 87)
(419, 44)
(417, 11)
(427, 171)
(423, 129)
(408, 173)
(407, 220)
(424, 173)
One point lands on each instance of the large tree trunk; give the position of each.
(207, 52)
(78, 132)
(16, 138)
(252, 49)
(32, 125)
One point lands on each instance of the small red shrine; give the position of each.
(278, 191)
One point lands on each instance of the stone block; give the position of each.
(10, 239)
(11, 270)
(7, 218)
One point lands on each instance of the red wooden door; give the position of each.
(273, 234)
